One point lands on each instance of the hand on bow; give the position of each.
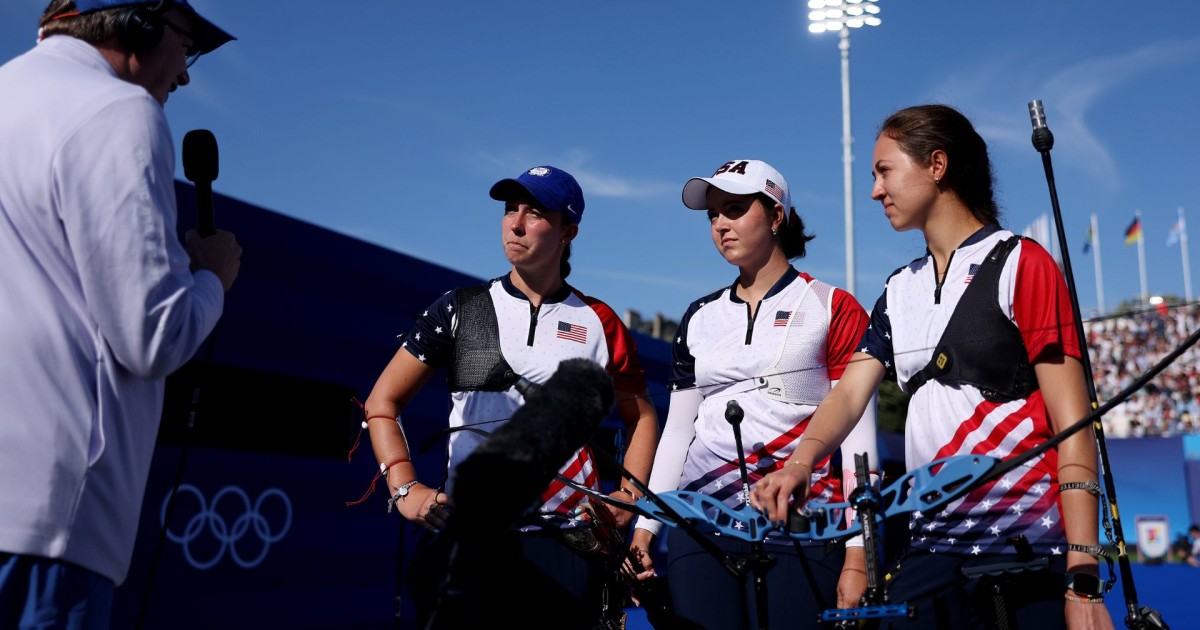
(772, 494)
(425, 506)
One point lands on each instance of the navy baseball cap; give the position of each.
(209, 36)
(552, 188)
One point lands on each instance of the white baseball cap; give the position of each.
(739, 177)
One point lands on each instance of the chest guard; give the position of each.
(478, 363)
(800, 374)
(981, 346)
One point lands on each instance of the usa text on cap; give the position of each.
(738, 177)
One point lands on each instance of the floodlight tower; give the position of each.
(841, 16)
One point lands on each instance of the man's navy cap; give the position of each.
(552, 188)
(209, 36)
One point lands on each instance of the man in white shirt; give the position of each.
(99, 301)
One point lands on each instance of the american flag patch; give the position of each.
(781, 317)
(572, 332)
(971, 273)
(774, 190)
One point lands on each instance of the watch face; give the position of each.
(1083, 583)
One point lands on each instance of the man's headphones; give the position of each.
(140, 29)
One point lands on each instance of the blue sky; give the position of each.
(389, 121)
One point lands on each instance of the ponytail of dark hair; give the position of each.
(564, 267)
(792, 237)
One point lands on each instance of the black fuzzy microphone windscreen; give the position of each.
(502, 480)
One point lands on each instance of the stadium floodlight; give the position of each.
(841, 16)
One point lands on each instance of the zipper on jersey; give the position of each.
(533, 319)
(750, 317)
(937, 290)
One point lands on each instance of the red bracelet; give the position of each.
(383, 468)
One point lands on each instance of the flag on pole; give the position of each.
(1039, 230)
(1177, 230)
(1087, 243)
(1133, 233)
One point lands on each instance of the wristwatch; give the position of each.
(1084, 584)
(402, 491)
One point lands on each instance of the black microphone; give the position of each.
(200, 165)
(525, 387)
(502, 480)
(734, 413)
(1043, 140)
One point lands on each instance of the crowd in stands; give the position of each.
(1123, 347)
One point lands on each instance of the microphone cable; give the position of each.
(193, 405)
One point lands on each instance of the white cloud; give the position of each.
(1070, 93)
(595, 181)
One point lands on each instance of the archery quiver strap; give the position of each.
(981, 346)
(478, 365)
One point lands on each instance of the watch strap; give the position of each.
(401, 492)
(1091, 550)
(1091, 486)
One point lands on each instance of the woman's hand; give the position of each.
(425, 506)
(623, 517)
(640, 548)
(853, 581)
(772, 493)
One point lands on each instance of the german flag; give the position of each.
(1133, 233)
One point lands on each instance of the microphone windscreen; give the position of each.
(200, 159)
(502, 480)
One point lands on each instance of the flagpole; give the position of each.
(1183, 248)
(1141, 244)
(1096, 263)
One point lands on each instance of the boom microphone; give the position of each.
(1043, 140)
(502, 480)
(200, 166)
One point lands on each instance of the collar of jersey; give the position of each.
(560, 295)
(782, 283)
(978, 236)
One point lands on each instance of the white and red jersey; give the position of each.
(725, 352)
(533, 340)
(945, 420)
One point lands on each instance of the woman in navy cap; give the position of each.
(773, 341)
(529, 319)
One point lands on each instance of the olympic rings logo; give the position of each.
(211, 521)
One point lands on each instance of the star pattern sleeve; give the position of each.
(431, 338)
(877, 340)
